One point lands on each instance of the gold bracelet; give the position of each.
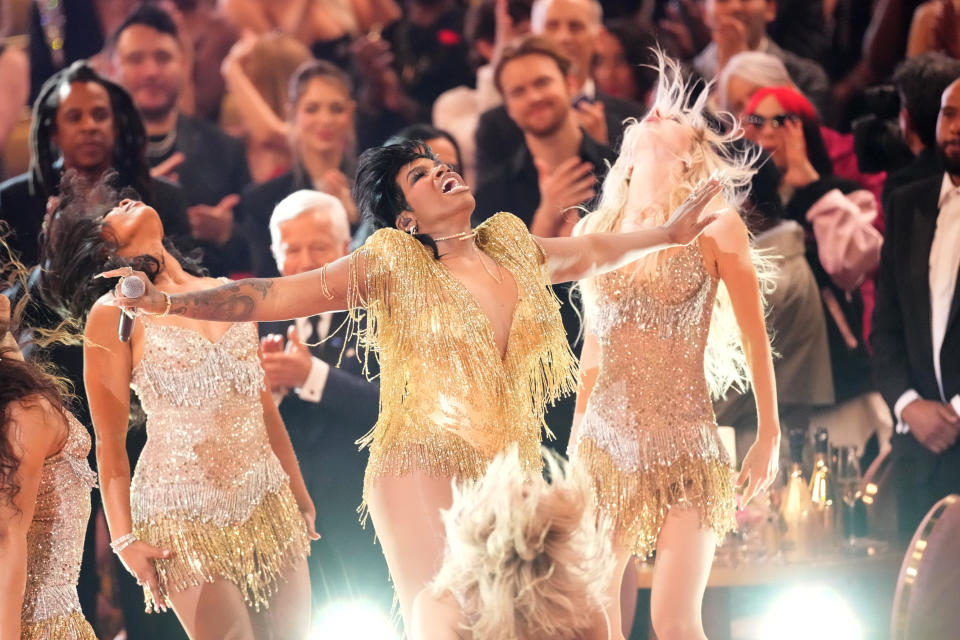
(323, 283)
(166, 311)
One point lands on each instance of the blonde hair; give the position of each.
(270, 63)
(714, 148)
(526, 558)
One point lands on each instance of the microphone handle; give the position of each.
(125, 325)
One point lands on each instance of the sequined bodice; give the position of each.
(651, 388)
(445, 392)
(207, 451)
(55, 537)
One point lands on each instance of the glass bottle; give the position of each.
(796, 506)
(823, 496)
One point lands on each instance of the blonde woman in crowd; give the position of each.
(257, 72)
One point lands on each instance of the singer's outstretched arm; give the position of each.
(254, 299)
(326, 289)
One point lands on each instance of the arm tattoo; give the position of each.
(234, 302)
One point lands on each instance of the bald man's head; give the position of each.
(573, 26)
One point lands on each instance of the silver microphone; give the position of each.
(130, 287)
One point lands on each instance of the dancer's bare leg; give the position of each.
(628, 597)
(213, 611)
(406, 515)
(613, 614)
(288, 617)
(684, 555)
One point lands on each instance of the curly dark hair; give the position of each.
(129, 153)
(378, 196)
(75, 246)
(21, 383)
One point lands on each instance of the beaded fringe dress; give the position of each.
(208, 486)
(448, 402)
(51, 609)
(648, 435)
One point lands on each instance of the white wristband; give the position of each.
(123, 542)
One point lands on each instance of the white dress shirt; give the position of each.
(313, 386)
(312, 389)
(944, 265)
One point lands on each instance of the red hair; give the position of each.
(790, 99)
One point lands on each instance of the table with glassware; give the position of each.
(803, 546)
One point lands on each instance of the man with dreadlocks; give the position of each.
(85, 123)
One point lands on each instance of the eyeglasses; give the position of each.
(776, 121)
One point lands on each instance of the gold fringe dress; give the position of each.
(648, 435)
(208, 486)
(448, 402)
(51, 609)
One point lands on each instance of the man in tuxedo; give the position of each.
(916, 327)
(326, 408)
(573, 27)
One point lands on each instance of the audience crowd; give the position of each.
(240, 121)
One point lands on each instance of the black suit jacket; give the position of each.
(23, 207)
(215, 167)
(901, 338)
(499, 137)
(257, 206)
(514, 185)
(925, 165)
(349, 404)
(344, 563)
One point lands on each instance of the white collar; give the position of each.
(948, 190)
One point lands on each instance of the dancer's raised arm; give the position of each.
(251, 299)
(580, 257)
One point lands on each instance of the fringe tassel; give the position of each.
(252, 554)
(441, 454)
(231, 361)
(192, 501)
(68, 627)
(638, 503)
(448, 404)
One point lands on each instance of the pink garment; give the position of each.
(844, 159)
(848, 245)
